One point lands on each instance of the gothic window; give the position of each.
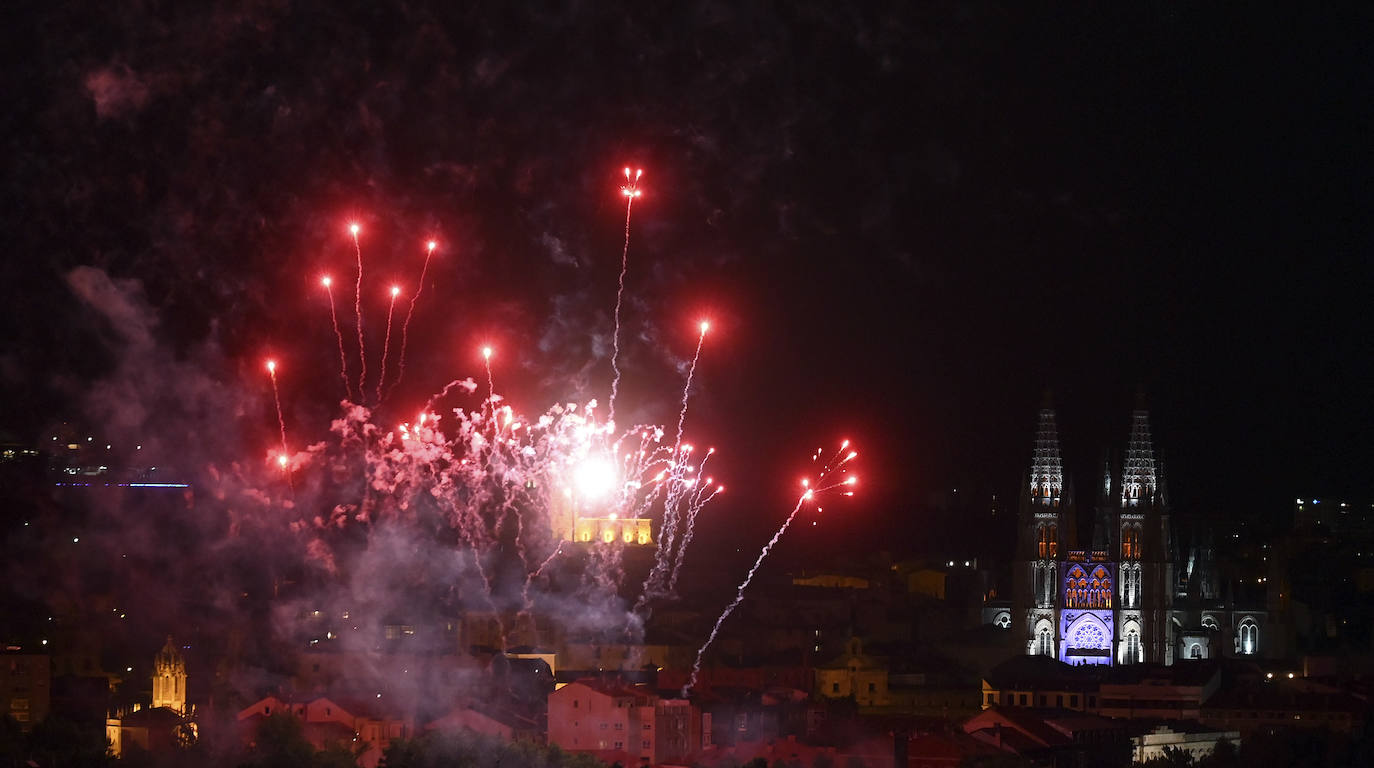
(1133, 655)
(1054, 540)
(1003, 620)
(1044, 644)
(1043, 544)
(1130, 542)
(1195, 652)
(1248, 636)
(1209, 623)
(1130, 589)
(1088, 635)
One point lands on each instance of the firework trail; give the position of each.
(276, 398)
(676, 488)
(386, 345)
(630, 190)
(687, 388)
(405, 326)
(806, 496)
(491, 383)
(358, 312)
(334, 318)
(703, 495)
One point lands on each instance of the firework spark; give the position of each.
(386, 345)
(405, 326)
(630, 191)
(810, 490)
(491, 382)
(334, 318)
(353, 230)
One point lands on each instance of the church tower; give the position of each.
(1046, 530)
(169, 678)
(1144, 554)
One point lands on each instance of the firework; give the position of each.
(386, 345)
(630, 191)
(353, 230)
(810, 489)
(405, 326)
(491, 382)
(334, 318)
(276, 398)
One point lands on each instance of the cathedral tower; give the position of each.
(169, 678)
(1046, 530)
(1144, 554)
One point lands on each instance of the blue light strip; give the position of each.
(124, 485)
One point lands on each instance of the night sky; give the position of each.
(907, 222)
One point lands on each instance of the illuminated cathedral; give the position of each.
(1127, 597)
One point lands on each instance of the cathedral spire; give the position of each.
(1106, 496)
(1138, 476)
(1047, 468)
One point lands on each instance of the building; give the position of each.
(1276, 703)
(169, 724)
(579, 510)
(1199, 743)
(328, 721)
(25, 686)
(1051, 736)
(1040, 681)
(855, 675)
(618, 722)
(1127, 597)
(1158, 692)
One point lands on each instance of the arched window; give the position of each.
(1195, 652)
(1209, 623)
(1054, 540)
(1130, 542)
(1043, 541)
(1247, 635)
(1132, 653)
(1044, 642)
(1130, 589)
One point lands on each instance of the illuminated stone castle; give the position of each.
(1122, 599)
(576, 516)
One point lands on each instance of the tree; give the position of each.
(1223, 755)
(1172, 757)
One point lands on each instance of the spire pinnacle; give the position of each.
(1106, 479)
(1138, 477)
(1047, 468)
